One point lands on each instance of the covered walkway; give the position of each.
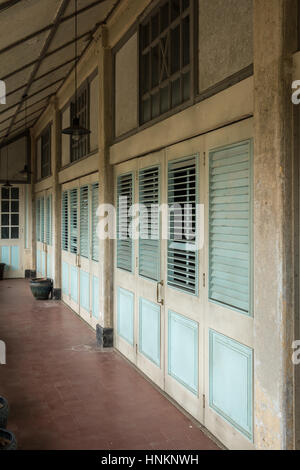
(65, 393)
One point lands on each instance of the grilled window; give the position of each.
(80, 148)
(46, 153)
(165, 58)
(182, 198)
(38, 220)
(10, 213)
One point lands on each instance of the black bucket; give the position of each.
(2, 267)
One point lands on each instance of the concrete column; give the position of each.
(56, 201)
(104, 329)
(274, 44)
(31, 194)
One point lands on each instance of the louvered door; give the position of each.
(150, 325)
(183, 267)
(81, 276)
(228, 331)
(44, 261)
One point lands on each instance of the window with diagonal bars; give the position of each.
(165, 58)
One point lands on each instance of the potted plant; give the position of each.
(4, 408)
(41, 288)
(7, 440)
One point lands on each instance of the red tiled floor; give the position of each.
(63, 396)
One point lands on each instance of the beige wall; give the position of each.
(126, 87)
(225, 39)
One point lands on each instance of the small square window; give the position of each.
(14, 193)
(14, 206)
(4, 233)
(4, 219)
(4, 206)
(15, 232)
(5, 193)
(15, 219)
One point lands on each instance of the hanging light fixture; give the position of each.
(76, 130)
(7, 184)
(25, 170)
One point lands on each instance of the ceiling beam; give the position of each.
(48, 27)
(66, 44)
(56, 23)
(8, 4)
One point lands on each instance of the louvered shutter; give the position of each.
(49, 220)
(84, 221)
(124, 240)
(42, 220)
(95, 239)
(149, 245)
(38, 220)
(230, 225)
(182, 198)
(74, 221)
(65, 221)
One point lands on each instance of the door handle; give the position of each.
(158, 293)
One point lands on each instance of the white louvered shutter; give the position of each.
(124, 240)
(95, 239)
(230, 226)
(65, 221)
(74, 221)
(84, 221)
(49, 220)
(42, 220)
(182, 254)
(38, 220)
(149, 243)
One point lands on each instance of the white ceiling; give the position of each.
(37, 52)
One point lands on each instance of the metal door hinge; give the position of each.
(136, 348)
(203, 398)
(204, 279)
(204, 158)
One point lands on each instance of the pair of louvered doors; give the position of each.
(81, 288)
(182, 279)
(44, 234)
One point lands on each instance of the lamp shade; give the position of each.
(76, 130)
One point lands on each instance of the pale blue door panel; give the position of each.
(230, 381)
(5, 255)
(49, 265)
(125, 314)
(85, 290)
(15, 258)
(183, 350)
(149, 330)
(74, 284)
(65, 278)
(96, 303)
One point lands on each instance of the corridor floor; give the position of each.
(65, 393)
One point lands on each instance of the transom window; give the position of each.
(80, 148)
(165, 58)
(46, 153)
(10, 213)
